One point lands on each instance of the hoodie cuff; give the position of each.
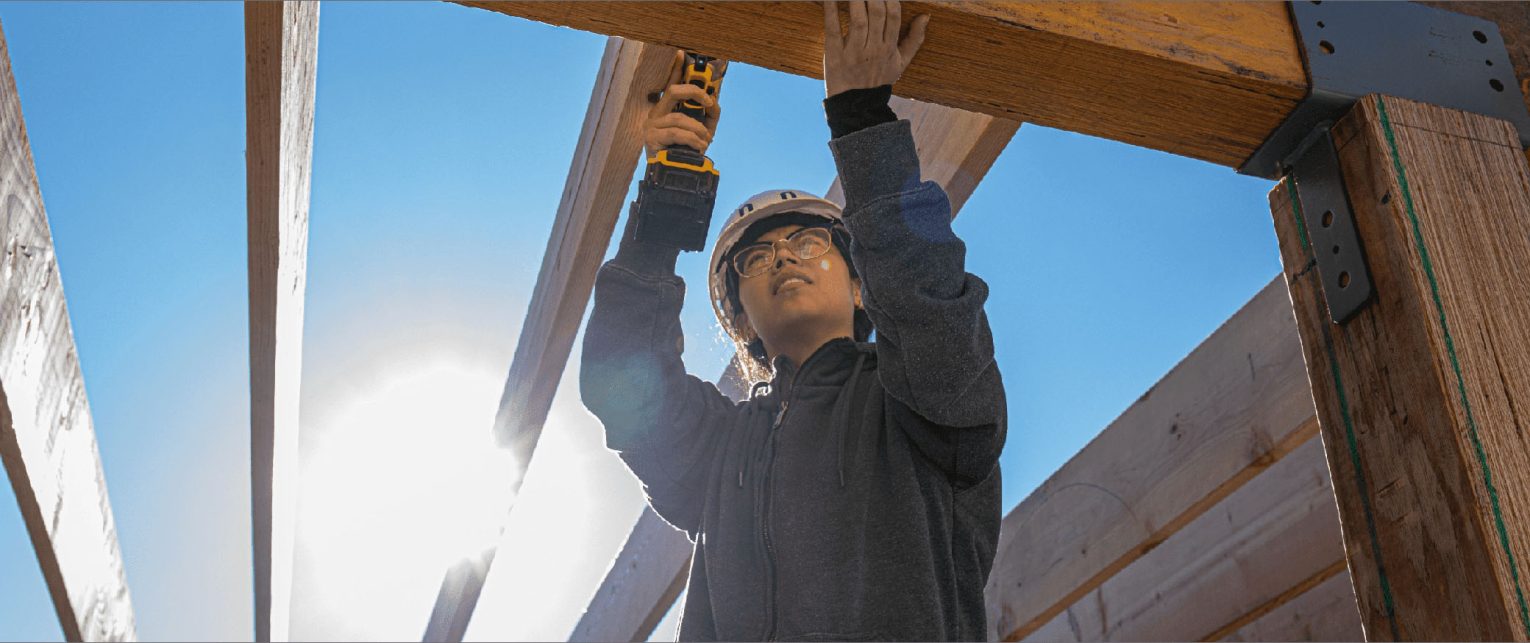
(875, 162)
(643, 258)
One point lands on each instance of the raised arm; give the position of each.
(669, 427)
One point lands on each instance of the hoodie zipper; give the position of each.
(770, 459)
(770, 552)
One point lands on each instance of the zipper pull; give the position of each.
(781, 415)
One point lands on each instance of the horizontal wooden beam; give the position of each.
(280, 41)
(1263, 545)
(956, 148)
(1231, 409)
(1204, 80)
(47, 438)
(1324, 613)
(604, 160)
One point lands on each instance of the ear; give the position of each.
(855, 289)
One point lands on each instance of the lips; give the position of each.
(790, 275)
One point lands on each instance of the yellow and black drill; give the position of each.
(679, 187)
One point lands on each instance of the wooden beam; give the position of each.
(605, 158)
(956, 148)
(280, 48)
(1326, 612)
(1204, 80)
(640, 587)
(1421, 396)
(47, 438)
(1261, 546)
(1231, 409)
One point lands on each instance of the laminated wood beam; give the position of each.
(1261, 546)
(956, 148)
(47, 438)
(1231, 409)
(1422, 395)
(280, 45)
(1324, 613)
(1204, 80)
(605, 158)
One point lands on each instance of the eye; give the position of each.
(752, 260)
(810, 243)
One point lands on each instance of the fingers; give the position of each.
(857, 38)
(876, 27)
(660, 138)
(831, 34)
(894, 23)
(913, 40)
(681, 92)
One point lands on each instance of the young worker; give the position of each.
(856, 494)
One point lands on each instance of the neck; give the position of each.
(802, 346)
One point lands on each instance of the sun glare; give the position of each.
(404, 482)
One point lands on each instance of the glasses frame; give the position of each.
(826, 230)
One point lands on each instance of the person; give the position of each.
(855, 494)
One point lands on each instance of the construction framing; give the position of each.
(1291, 478)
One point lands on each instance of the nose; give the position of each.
(783, 257)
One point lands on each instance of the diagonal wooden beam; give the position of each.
(1204, 80)
(604, 161)
(47, 438)
(956, 149)
(280, 46)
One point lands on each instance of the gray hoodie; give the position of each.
(857, 499)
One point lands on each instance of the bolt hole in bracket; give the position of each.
(1352, 49)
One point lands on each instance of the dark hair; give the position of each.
(757, 368)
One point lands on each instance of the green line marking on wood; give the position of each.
(1455, 364)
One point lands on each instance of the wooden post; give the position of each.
(1424, 397)
(280, 46)
(47, 438)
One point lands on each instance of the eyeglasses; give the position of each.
(808, 243)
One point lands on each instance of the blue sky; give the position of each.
(443, 136)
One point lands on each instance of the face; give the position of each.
(798, 297)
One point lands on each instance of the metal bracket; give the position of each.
(1329, 225)
(1352, 49)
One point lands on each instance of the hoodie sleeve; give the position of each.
(668, 426)
(934, 345)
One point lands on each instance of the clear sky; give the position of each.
(443, 137)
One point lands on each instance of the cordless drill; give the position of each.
(679, 187)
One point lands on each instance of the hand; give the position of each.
(667, 127)
(872, 54)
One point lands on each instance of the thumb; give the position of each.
(913, 40)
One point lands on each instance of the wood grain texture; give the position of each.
(956, 148)
(1422, 395)
(47, 438)
(1326, 612)
(642, 584)
(1204, 80)
(280, 40)
(1276, 534)
(1231, 409)
(605, 158)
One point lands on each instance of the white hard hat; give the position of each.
(759, 207)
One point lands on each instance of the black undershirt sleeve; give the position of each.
(857, 109)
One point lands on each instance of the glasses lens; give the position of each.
(809, 243)
(753, 260)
